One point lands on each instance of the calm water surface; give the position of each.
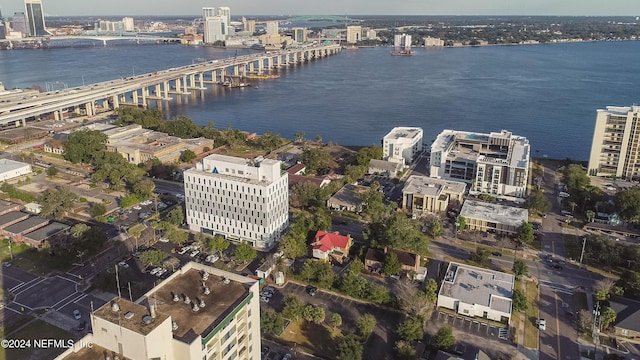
(548, 93)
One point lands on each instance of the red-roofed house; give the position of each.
(327, 244)
(297, 169)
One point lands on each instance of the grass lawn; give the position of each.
(531, 316)
(38, 262)
(37, 330)
(14, 324)
(316, 339)
(244, 151)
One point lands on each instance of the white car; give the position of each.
(137, 207)
(164, 240)
(542, 324)
(161, 272)
(212, 258)
(195, 253)
(123, 264)
(155, 270)
(184, 250)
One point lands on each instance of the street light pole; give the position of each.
(584, 242)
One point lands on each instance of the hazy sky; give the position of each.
(337, 7)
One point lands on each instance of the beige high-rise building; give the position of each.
(354, 34)
(299, 34)
(272, 28)
(615, 150)
(199, 312)
(249, 25)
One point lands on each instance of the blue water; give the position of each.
(548, 93)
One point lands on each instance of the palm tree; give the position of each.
(573, 206)
(590, 215)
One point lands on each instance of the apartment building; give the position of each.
(424, 195)
(402, 144)
(354, 34)
(199, 312)
(241, 199)
(496, 163)
(615, 150)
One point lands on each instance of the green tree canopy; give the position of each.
(292, 307)
(366, 325)
(401, 232)
(271, 323)
(519, 300)
(176, 216)
(245, 252)
(85, 146)
(335, 320)
(313, 314)
(537, 201)
(216, 243)
(349, 348)
(519, 268)
(97, 209)
(78, 230)
(188, 156)
(365, 154)
(524, 233)
(628, 204)
(293, 246)
(153, 257)
(444, 339)
(392, 265)
(480, 256)
(52, 171)
(607, 317)
(316, 159)
(176, 236)
(411, 329)
(144, 188)
(57, 202)
(181, 127)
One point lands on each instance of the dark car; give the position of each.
(496, 253)
(557, 266)
(82, 325)
(312, 290)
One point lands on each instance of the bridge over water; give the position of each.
(156, 86)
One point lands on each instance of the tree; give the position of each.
(176, 236)
(365, 154)
(336, 320)
(519, 268)
(52, 171)
(78, 230)
(630, 282)
(308, 195)
(373, 203)
(405, 350)
(400, 232)
(313, 314)
(152, 257)
(411, 329)
(480, 256)
(315, 159)
(188, 156)
(144, 188)
(270, 141)
(171, 263)
(444, 339)
(245, 252)
(435, 226)
(366, 325)
(176, 216)
(628, 204)
(519, 300)
(607, 317)
(575, 178)
(392, 265)
(603, 288)
(57, 202)
(293, 246)
(271, 323)
(585, 320)
(349, 348)
(537, 202)
(431, 290)
(292, 307)
(85, 146)
(590, 215)
(524, 233)
(216, 243)
(97, 209)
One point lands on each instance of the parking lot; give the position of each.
(473, 326)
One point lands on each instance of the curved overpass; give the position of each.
(177, 81)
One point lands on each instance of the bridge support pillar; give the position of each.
(145, 93)
(201, 79)
(56, 116)
(177, 84)
(251, 67)
(104, 42)
(134, 94)
(184, 83)
(192, 80)
(88, 107)
(270, 62)
(165, 89)
(157, 91)
(116, 103)
(236, 70)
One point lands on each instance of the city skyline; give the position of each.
(351, 7)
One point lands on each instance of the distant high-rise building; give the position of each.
(3, 30)
(19, 23)
(214, 29)
(299, 34)
(208, 12)
(272, 28)
(431, 42)
(249, 25)
(128, 24)
(35, 18)
(402, 41)
(225, 13)
(615, 143)
(354, 34)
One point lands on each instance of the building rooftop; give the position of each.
(628, 313)
(385, 165)
(25, 225)
(6, 206)
(349, 195)
(403, 132)
(222, 300)
(130, 316)
(495, 213)
(12, 216)
(240, 161)
(46, 232)
(620, 110)
(474, 285)
(11, 165)
(424, 185)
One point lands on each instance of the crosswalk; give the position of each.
(566, 289)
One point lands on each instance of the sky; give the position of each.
(334, 7)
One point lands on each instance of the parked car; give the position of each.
(542, 324)
(184, 250)
(194, 253)
(123, 264)
(287, 357)
(76, 314)
(163, 239)
(496, 253)
(312, 290)
(82, 325)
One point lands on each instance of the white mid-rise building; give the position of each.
(494, 163)
(616, 143)
(215, 29)
(199, 312)
(241, 199)
(402, 144)
(128, 24)
(354, 34)
(402, 41)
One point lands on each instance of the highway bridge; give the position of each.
(104, 39)
(151, 86)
